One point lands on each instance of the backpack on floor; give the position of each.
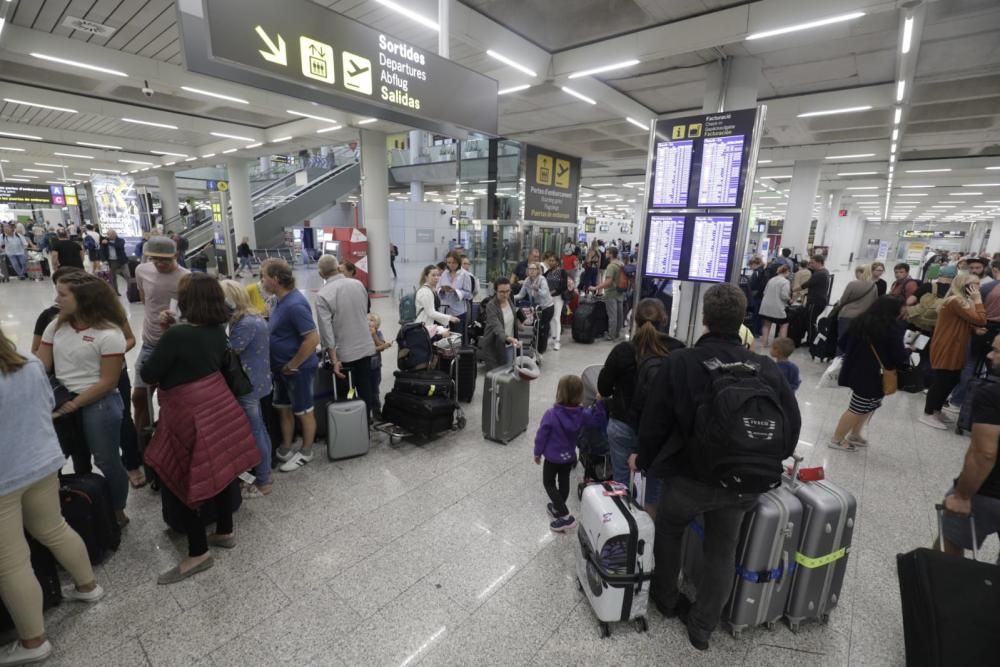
(740, 436)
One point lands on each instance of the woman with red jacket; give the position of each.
(203, 440)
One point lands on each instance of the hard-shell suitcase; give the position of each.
(423, 383)
(506, 398)
(85, 501)
(821, 559)
(614, 562)
(347, 425)
(35, 270)
(798, 323)
(951, 607)
(423, 416)
(765, 561)
(590, 320)
(132, 291)
(464, 370)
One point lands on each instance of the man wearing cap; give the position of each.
(157, 279)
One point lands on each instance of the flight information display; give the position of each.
(672, 175)
(664, 246)
(711, 248)
(721, 165)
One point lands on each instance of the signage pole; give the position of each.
(227, 237)
(743, 236)
(640, 268)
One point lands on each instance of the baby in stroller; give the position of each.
(592, 442)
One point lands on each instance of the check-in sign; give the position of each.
(301, 49)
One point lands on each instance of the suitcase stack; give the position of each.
(506, 398)
(590, 320)
(614, 564)
(421, 402)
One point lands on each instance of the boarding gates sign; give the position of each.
(301, 49)
(551, 186)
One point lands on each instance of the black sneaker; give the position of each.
(551, 508)
(680, 609)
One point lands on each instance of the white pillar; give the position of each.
(416, 191)
(167, 183)
(375, 208)
(416, 142)
(798, 214)
(444, 28)
(828, 213)
(239, 198)
(993, 242)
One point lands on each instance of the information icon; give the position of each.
(357, 73)
(317, 60)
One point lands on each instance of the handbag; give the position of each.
(61, 394)
(890, 379)
(232, 370)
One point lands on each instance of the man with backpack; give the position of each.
(717, 425)
(904, 286)
(615, 285)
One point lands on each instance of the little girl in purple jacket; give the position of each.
(555, 441)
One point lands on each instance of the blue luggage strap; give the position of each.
(765, 576)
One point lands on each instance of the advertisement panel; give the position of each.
(117, 205)
(552, 186)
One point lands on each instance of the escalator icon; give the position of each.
(357, 73)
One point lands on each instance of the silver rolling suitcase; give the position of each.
(347, 425)
(765, 561)
(821, 559)
(505, 405)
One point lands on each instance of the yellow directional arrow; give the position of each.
(276, 53)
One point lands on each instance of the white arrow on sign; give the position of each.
(278, 53)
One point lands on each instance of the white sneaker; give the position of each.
(284, 455)
(933, 422)
(856, 440)
(16, 654)
(71, 593)
(298, 460)
(952, 410)
(556, 346)
(948, 417)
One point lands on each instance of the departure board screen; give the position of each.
(672, 175)
(664, 246)
(721, 165)
(711, 248)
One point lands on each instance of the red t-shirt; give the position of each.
(569, 262)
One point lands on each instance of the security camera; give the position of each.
(146, 89)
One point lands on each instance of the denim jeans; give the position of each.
(251, 406)
(622, 441)
(616, 319)
(723, 509)
(19, 263)
(245, 264)
(102, 423)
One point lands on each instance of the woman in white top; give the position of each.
(535, 288)
(777, 296)
(427, 308)
(455, 289)
(85, 347)
(501, 327)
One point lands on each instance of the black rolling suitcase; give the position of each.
(85, 500)
(951, 607)
(419, 415)
(590, 320)
(423, 383)
(464, 367)
(798, 323)
(824, 346)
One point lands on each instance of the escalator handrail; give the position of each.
(333, 173)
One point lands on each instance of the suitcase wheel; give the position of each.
(825, 618)
(958, 430)
(460, 423)
(794, 627)
(605, 630)
(769, 625)
(641, 625)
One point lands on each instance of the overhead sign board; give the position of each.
(552, 186)
(301, 49)
(43, 195)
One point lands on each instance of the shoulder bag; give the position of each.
(235, 376)
(890, 380)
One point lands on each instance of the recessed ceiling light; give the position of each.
(577, 95)
(857, 173)
(15, 135)
(39, 105)
(108, 146)
(168, 153)
(604, 68)
(165, 126)
(637, 123)
(112, 171)
(207, 156)
(256, 145)
(280, 139)
(302, 114)
(220, 96)
(366, 121)
(926, 171)
(512, 63)
(77, 63)
(39, 171)
(849, 157)
(917, 187)
(19, 179)
(805, 26)
(223, 135)
(329, 129)
(907, 35)
(46, 164)
(77, 173)
(513, 89)
(981, 185)
(410, 14)
(134, 162)
(964, 194)
(900, 89)
(864, 187)
(230, 150)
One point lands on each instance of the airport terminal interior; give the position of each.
(864, 131)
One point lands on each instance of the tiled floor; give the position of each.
(440, 553)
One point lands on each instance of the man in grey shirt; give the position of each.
(342, 318)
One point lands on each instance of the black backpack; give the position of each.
(646, 370)
(740, 438)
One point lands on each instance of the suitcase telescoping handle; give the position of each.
(972, 527)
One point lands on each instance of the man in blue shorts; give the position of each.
(977, 490)
(294, 338)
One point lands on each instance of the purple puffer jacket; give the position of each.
(556, 436)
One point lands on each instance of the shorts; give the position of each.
(986, 509)
(294, 391)
(777, 321)
(863, 406)
(145, 352)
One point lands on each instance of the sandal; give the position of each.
(253, 491)
(137, 478)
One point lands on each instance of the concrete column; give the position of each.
(167, 183)
(798, 214)
(830, 205)
(375, 208)
(416, 191)
(444, 25)
(417, 140)
(239, 197)
(993, 242)
(844, 235)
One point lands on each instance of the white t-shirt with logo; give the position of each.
(77, 354)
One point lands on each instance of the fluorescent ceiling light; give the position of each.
(39, 171)
(637, 123)
(513, 89)
(926, 171)
(108, 146)
(981, 185)
(329, 129)
(76, 155)
(168, 153)
(39, 105)
(165, 126)
(601, 185)
(907, 35)
(410, 14)
(280, 139)
(20, 136)
(15, 178)
(206, 156)
(962, 194)
(231, 150)
(134, 162)
(76, 173)
(169, 164)
(781, 176)
(209, 93)
(76, 63)
(46, 164)
(190, 159)
(256, 145)
(764, 161)
(806, 26)
(512, 63)
(604, 68)
(223, 135)
(897, 116)
(112, 171)
(581, 96)
(866, 195)
(857, 173)
(301, 114)
(900, 90)
(892, 148)
(895, 134)
(917, 187)
(864, 187)
(992, 168)
(367, 120)
(849, 157)
(913, 194)
(831, 112)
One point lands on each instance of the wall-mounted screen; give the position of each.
(711, 248)
(665, 246)
(721, 165)
(672, 176)
(694, 247)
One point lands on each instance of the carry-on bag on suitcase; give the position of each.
(590, 320)
(951, 606)
(85, 501)
(423, 383)
(821, 559)
(347, 425)
(614, 562)
(506, 398)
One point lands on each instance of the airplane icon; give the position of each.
(357, 69)
(357, 73)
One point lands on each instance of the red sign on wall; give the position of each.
(842, 213)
